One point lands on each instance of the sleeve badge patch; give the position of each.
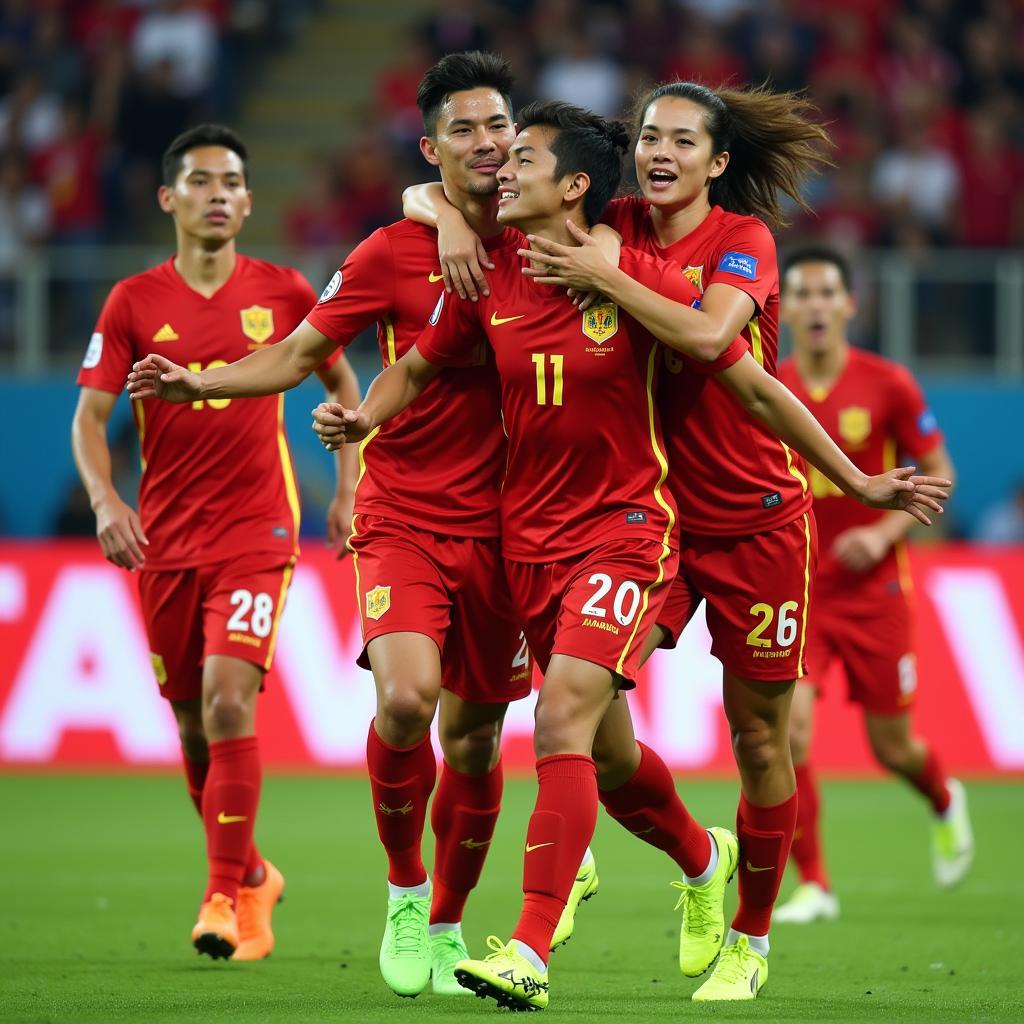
(740, 264)
(332, 287)
(600, 323)
(927, 423)
(93, 352)
(378, 601)
(257, 323)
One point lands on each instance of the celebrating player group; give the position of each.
(577, 436)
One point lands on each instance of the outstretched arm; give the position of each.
(268, 371)
(392, 390)
(703, 333)
(786, 416)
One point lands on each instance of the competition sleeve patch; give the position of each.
(740, 264)
(927, 423)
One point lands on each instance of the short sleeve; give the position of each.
(110, 354)
(359, 293)
(913, 424)
(745, 258)
(453, 334)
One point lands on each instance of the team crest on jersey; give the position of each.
(600, 323)
(378, 601)
(158, 668)
(855, 424)
(257, 323)
(695, 275)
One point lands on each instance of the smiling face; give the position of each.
(674, 159)
(209, 199)
(473, 133)
(530, 197)
(816, 306)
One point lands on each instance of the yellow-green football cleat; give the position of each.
(703, 927)
(405, 951)
(739, 974)
(583, 888)
(505, 976)
(952, 840)
(446, 950)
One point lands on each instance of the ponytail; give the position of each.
(774, 145)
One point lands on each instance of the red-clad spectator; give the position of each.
(848, 217)
(69, 170)
(914, 61)
(98, 24)
(318, 218)
(369, 190)
(846, 69)
(991, 205)
(702, 56)
(396, 89)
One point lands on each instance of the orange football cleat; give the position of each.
(216, 931)
(255, 906)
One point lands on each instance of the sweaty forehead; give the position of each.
(673, 113)
(814, 274)
(476, 105)
(215, 159)
(537, 137)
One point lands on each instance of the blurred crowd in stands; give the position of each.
(925, 98)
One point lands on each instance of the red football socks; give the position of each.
(463, 816)
(765, 835)
(560, 829)
(806, 851)
(195, 775)
(930, 782)
(231, 797)
(649, 807)
(401, 780)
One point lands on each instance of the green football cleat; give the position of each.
(739, 974)
(446, 950)
(584, 888)
(809, 902)
(952, 840)
(405, 951)
(703, 928)
(506, 977)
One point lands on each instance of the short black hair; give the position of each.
(819, 254)
(202, 135)
(585, 142)
(459, 72)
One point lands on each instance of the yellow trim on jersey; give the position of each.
(354, 532)
(807, 597)
(290, 489)
(755, 340)
(659, 498)
(389, 336)
(286, 579)
(791, 466)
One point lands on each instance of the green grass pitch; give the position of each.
(100, 878)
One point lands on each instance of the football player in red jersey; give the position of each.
(574, 468)
(438, 628)
(874, 410)
(216, 535)
(706, 163)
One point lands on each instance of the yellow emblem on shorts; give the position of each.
(695, 275)
(257, 323)
(855, 424)
(158, 668)
(601, 322)
(378, 601)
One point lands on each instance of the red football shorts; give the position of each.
(875, 650)
(757, 589)
(231, 607)
(598, 606)
(451, 589)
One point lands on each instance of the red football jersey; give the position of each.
(730, 474)
(437, 465)
(217, 477)
(586, 461)
(875, 412)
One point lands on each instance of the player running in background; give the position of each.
(747, 535)
(438, 628)
(216, 535)
(553, 504)
(862, 615)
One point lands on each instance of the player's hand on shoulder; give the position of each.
(119, 531)
(335, 425)
(860, 548)
(463, 258)
(157, 377)
(901, 489)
